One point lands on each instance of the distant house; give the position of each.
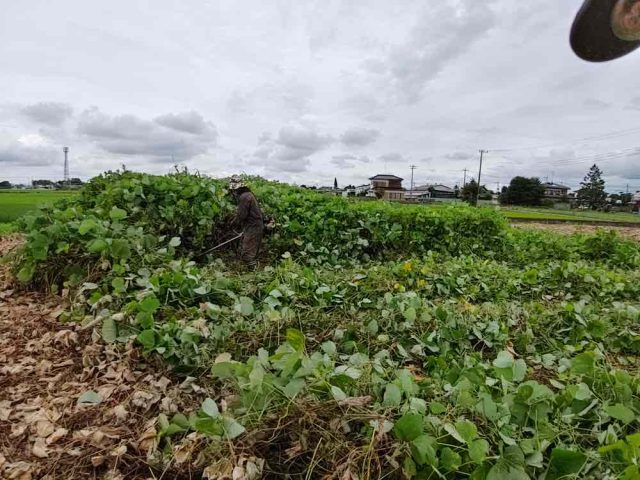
(387, 187)
(555, 191)
(329, 190)
(431, 192)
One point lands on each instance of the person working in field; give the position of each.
(606, 29)
(250, 219)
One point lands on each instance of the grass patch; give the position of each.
(7, 228)
(548, 214)
(14, 204)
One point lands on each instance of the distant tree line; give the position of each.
(44, 183)
(591, 194)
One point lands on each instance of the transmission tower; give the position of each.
(66, 165)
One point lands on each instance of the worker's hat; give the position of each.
(592, 35)
(235, 182)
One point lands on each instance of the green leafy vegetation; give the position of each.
(382, 340)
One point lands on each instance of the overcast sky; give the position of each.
(305, 91)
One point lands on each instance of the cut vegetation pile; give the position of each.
(382, 341)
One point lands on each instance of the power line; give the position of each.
(605, 136)
(413, 167)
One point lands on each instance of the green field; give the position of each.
(14, 204)
(569, 215)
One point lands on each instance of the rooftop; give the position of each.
(386, 177)
(556, 185)
(437, 187)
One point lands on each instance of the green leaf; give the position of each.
(620, 412)
(86, 226)
(409, 427)
(89, 398)
(392, 396)
(409, 469)
(117, 213)
(147, 338)
(118, 284)
(437, 408)
(467, 430)
(232, 428)
(180, 420)
(120, 248)
(564, 464)
(478, 450)
(294, 387)
(295, 338)
(245, 306)
(450, 460)
(338, 393)
(519, 370)
(174, 242)
(208, 426)
(423, 450)
(109, 330)
(97, 246)
(149, 304)
(144, 319)
(487, 407)
(372, 327)
(210, 408)
(583, 364)
(26, 273)
(410, 314)
(510, 466)
(171, 429)
(503, 360)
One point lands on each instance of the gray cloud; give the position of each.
(25, 155)
(634, 104)
(392, 157)
(459, 156)
(596, 104)
(290, 150)
(168, 138)
(359, 137)
(50, 113)
(442, 33)
(348, 161)
(188, 122)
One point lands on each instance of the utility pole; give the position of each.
(66, 165)
(482, 152)
(464, 181)
(413, 167)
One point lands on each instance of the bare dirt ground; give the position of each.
(632, 233)
(46, 369)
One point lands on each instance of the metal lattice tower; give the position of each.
(66, 165)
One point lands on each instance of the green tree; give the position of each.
(591, 192)
(523, 191)
(469, 191)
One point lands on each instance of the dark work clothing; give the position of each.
(248, 212)
(250, 246)
(250, 219)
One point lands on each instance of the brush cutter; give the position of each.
(237, 237)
